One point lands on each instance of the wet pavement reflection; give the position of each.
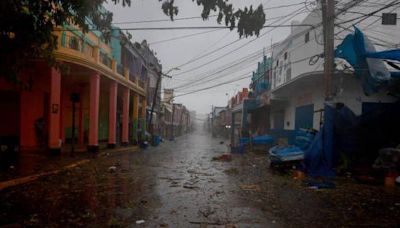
(181, 184)
(194, 190)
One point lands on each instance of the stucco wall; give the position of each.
(349, 91)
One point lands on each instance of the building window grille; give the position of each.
(389, 18)
(307, 37)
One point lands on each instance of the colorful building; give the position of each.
(92, 99)
(238, 109)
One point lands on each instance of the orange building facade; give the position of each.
(87, 100)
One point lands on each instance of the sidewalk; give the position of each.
(33, 165)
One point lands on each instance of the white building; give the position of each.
(297, 84)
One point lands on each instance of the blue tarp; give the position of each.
(357, 50)
(358, 138)
(262, 140)
(390, 55)
(319, 159)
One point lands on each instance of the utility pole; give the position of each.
(155, 95)
(154, 103)
(328, 21)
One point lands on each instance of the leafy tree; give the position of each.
(26, 26)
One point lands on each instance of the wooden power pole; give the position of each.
(328, 20)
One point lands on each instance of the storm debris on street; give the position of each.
(166, 192)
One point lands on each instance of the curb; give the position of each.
(23, 180)
(30, 178)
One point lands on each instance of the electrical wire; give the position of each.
(211, 52)
(363, 17)
(240, 77)
(182, 37)
(199, 17)
(202, 89)
(232, 69)
(232, 64)
(234, 50)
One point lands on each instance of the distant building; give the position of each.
(176, 119)
(152, 73)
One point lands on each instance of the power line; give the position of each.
(350, 6)
(235, 41)
(212, 45)
(217, 85)
(236, 79)
(247, 62)
(205, 50)
(161, 20)
(363, 17)
(248, 76)
(201, 33)
(388, 44)
(365, 14)
(187, 28)
(182, 37)
(218, 70)
(234, 65)
(199, 17)
(247, 43)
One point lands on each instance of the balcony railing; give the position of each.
(105, 60)
(76, 46)
(88, 50)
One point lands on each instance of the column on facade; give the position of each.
(94, 97)
(112, 121)
(135, 116)
(54, 140)
(125, 116)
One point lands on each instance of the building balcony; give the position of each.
(92, 53)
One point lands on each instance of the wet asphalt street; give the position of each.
(195, 190)
(177, 184)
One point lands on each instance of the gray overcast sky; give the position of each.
(176, 52)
